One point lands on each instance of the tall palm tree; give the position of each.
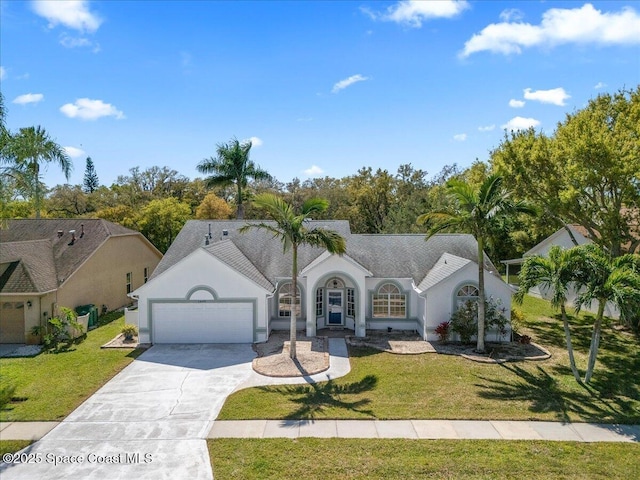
(291, 228)
(31, 147)
(232, 166)
(476, 211)
(615, 280)
(557, 272)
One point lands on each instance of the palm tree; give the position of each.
(556, 272)
(476, 212)
(615, 280)
(291, 228)
(232, 166)
(30, 148)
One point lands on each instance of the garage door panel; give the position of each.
(202, 322)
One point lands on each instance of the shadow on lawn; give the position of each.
(546, 395)
(312, 399)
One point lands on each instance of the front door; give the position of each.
(335, 307)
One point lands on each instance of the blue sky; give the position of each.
(322, 88)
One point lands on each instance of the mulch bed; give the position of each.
(409, 343)
(312, 356)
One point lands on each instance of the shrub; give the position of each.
(443, 331)
(129, 331)
(56, 331)
(464, 321)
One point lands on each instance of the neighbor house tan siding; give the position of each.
(103, 277)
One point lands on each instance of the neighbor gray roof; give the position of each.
(260, 257)
(46, 260)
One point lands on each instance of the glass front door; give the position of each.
(335, 306)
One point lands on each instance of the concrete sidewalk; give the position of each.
(411, 429)
(25, 430)
(427, 429)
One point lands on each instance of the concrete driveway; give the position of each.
(149, 421)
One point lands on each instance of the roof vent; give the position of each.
(60, 233)
(225, 233)
(73, 237)
(81, 230)
(209, 230)
(206, 239)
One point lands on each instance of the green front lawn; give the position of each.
(348, 459)
(49, 386)
(431, 386)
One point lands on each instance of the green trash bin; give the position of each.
(92, 311)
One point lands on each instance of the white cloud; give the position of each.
(584, 25)
(599, 85)
(75, 42)
(255, 141)
(313, 171)
(460, 137)
(511, 14)
(520, 123)
(28, 98)
(87, 109)
(342, 84)
(513, 103)
(487, 128)
(74, 152)
(413, 12)
(555, 96)
(73, 14)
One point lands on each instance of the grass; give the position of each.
(49, 386)
(430, 386)
(349, 459)
(13, 446)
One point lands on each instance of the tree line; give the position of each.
(586, 172)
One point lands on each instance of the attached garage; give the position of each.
(202, 322)
(12, 322)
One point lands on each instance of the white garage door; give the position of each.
(199, 322)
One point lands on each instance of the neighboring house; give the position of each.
(563, 239)
(215, 285)
(66, 262)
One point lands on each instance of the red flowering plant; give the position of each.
(443, 331)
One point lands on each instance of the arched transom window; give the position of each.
(466, 293)
(389, 302)
(335, 282)
(285, 300)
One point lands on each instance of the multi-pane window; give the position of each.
(465, 294)
(335, 282)
(389, 302)
(351, 302)
(319, 301)
(286, 300)
(129, 282)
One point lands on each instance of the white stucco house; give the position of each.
(215, 285)
(561, 238)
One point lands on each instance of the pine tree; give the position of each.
(91, 182)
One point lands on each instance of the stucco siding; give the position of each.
(441, 301)
(102, 279)
(200, 274)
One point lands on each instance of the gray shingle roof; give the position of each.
(47, 258)
(228, 253)
(35, 271)
(258, 254)
(446, 266)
